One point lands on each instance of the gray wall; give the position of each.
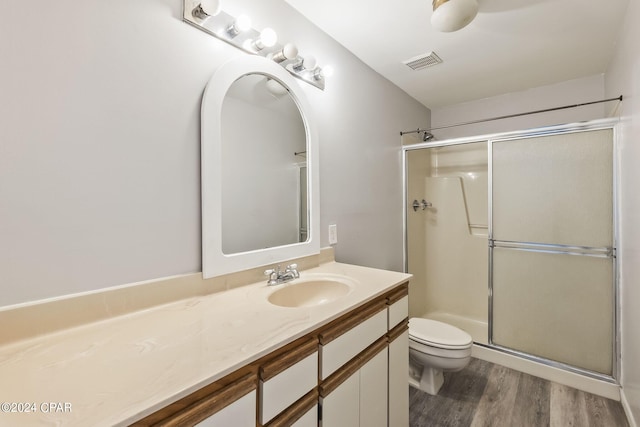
(570, 92)
(99, 143)
(623, 77)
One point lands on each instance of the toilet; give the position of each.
(435, 347)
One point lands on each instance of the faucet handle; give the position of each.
(293, 268)
(272, 274)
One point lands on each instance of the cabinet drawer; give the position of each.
(279, 390)
(240, 413)
(398, 311)
(340, 350)
(212, 405)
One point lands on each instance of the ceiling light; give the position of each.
(452, 15)
(206, 9)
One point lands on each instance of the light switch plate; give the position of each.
(333, 234)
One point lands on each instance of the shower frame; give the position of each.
(610, 123)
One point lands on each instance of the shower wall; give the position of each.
(447, 241)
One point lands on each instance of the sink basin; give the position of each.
(310, 292)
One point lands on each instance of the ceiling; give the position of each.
(511, 45)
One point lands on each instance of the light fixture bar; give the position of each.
(250, 42)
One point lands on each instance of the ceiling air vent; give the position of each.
(423, 61)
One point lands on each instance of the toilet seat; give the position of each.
(437, 334)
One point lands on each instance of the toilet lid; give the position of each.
(438, 334)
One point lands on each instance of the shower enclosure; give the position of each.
(511, 237)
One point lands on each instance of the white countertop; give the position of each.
(117, 371)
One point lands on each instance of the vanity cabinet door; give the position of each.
(341, 407)
(373, 391)
(303, 413)
(356, 394)
(309, 419)
(398, 375)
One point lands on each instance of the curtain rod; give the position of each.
(513, 115)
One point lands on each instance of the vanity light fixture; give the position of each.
(241, 24)
(307, 63)
(288, 51)
(237, 31)
(267, 38)
(206, 9)
(318, 73)
(453, 15)
(327, 71)
(307, 69)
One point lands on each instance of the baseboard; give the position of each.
(550, 373)
(627, 409)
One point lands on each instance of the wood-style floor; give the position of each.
(489, 395)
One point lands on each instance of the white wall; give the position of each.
(623, 77)
(571, 92)
(99, 143)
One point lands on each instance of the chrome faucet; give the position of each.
(277, 276)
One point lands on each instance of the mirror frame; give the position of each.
(214, 261)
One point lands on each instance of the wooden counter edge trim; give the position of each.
(209, 405)
(398, 293)
(294, 412)
(398, 330)
(352, 319)
(351, 367)
(185, 402)
(288, 356)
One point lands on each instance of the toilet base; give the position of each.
(427, 379)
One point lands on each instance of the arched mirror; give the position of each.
(259, 189)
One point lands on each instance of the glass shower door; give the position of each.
(552, 248)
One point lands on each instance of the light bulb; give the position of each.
(309, 62)
(289, 51)
(206, 9)
(268, 38)
(328, 71)
(452, 15)
(242, 23)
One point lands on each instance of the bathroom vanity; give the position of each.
(336, 375)
(230, 357)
